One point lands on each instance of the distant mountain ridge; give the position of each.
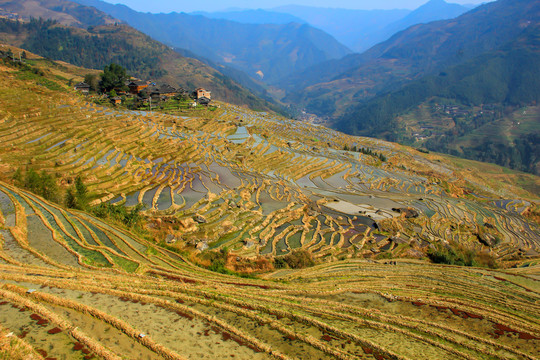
(94, 46)
(433, 10)
(268, 51)
(357, 29)
(329, 88)
(258, 16)
(361, 29)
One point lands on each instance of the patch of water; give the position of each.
(56, 145)
(8, 209)
(39, 138)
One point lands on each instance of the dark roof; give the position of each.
(150, 90)
(167, 89)
(82, 85)
(203, 100)
(137, 83)
(163, 89)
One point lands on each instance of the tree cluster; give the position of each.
(298, 259)
(86, 49)
(365, 151)
(113, 78)
(131, 218)
(40, 183)
(77, 195)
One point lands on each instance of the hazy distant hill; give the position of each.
(269, 51)
(330, 87)
(430, 11)
(258, 16)
(358, 29)
(98, 46)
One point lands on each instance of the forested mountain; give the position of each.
(64, 11)
(268, 51)
(328, 88)
(484, 109)
(143, 57)
(431, 11)
(461, 86)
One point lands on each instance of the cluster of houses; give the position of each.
(149, 92)
(453, 110)
(10, 15)
(457, 111)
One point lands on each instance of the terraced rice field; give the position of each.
(259, 184)
(75, 287)
(90, 290)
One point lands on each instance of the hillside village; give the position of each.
(130, 92)
(147, 94)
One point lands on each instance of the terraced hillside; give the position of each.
(260, 184)
(73, 287)
(257, 187)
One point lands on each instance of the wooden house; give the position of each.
(200, 93)
(117, 100)
(137, 86)
(82, 87)
(158, 93)
(167, 90)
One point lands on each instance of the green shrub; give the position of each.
(298, 259)
(219, 267)
(461, 256)
(280, 263)
(42, 184)
(130, 218)
(77, 196)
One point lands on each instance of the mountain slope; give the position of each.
(506, 79)
(266, 51)
(63, 11)
(139, 54)
(246, 236)
(433, 10)
(357, 29)
(410, 54)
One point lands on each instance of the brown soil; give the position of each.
(54, 331)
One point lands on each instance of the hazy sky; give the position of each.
(216, 5)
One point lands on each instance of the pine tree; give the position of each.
(70, 201)
(81, 193)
